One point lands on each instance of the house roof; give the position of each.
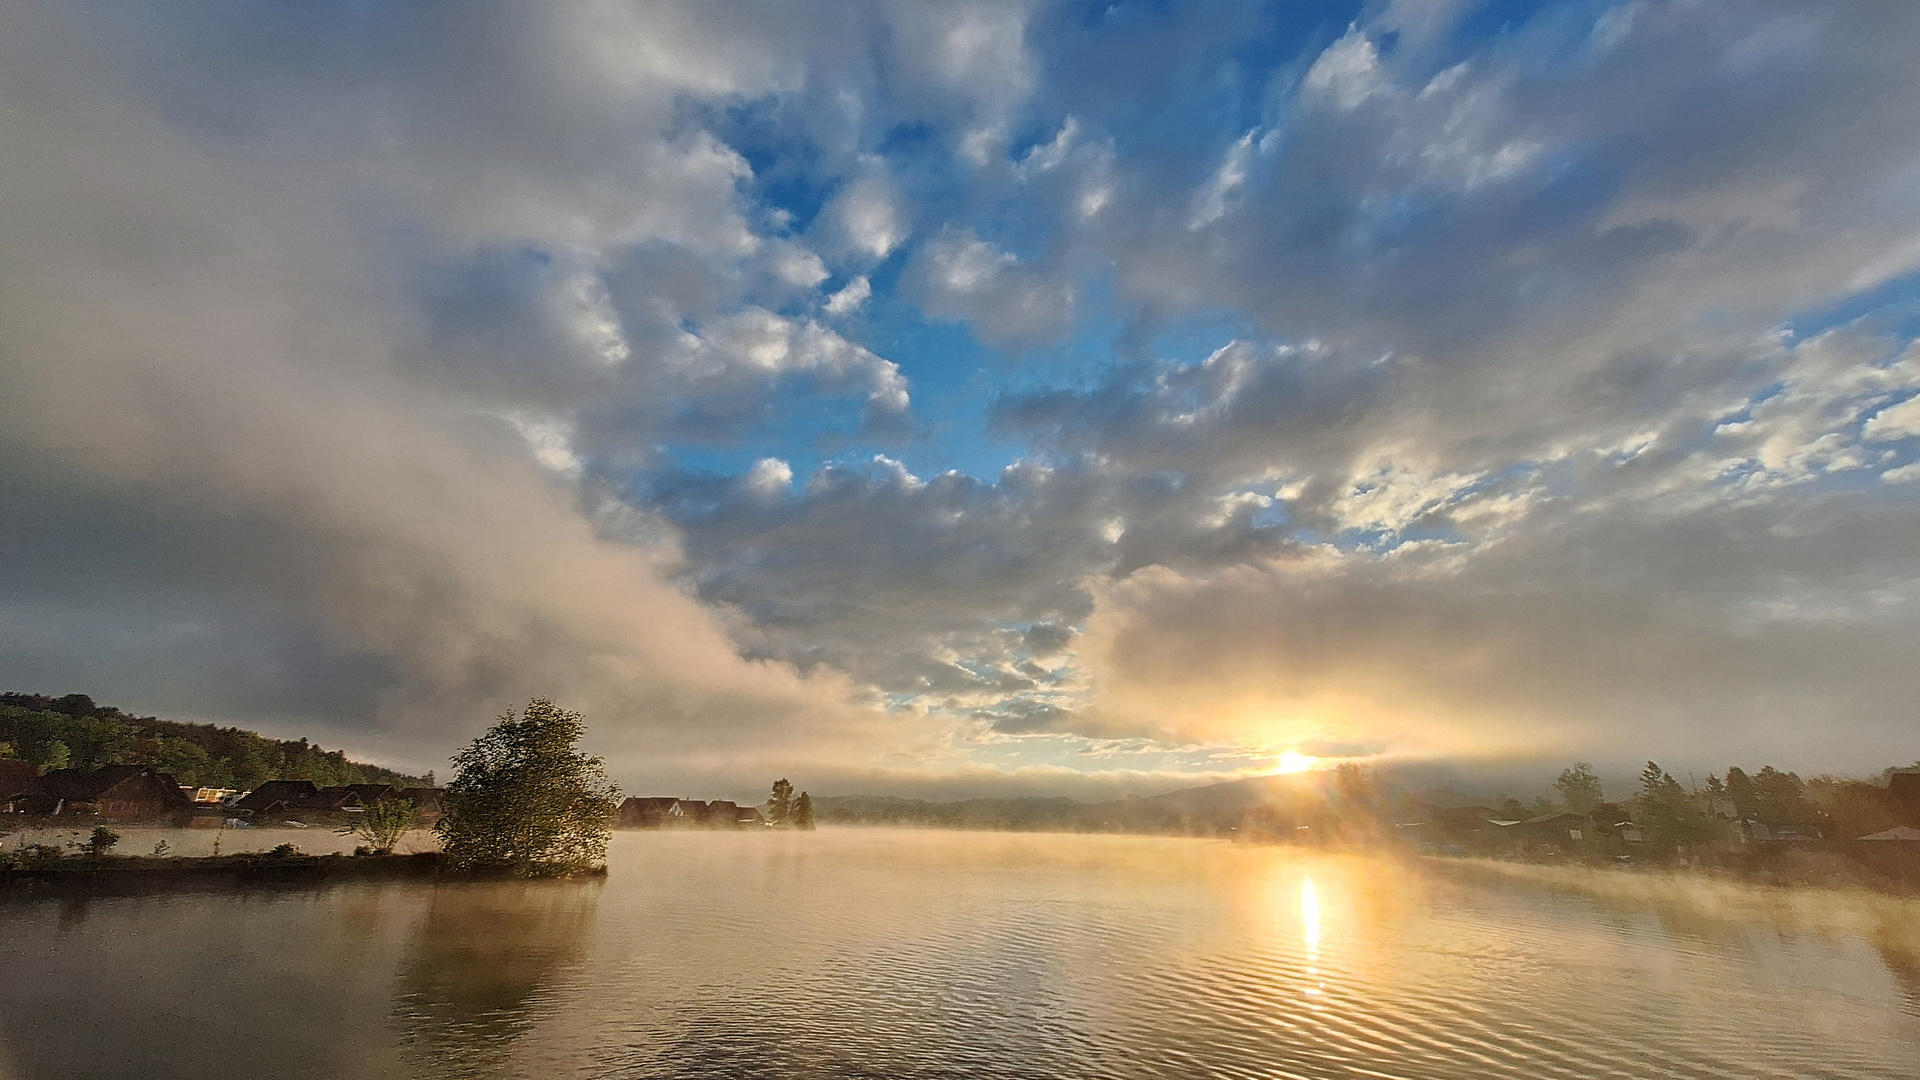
(16, 778)
(80, 785)
(1898, 832)
(276, 791)
(652, 804)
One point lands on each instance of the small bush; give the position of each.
(101, 842)
(161, 849)
(283, 851)
(36, 856)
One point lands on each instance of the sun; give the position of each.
(1294, 761)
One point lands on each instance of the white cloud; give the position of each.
(1348, 72)
(851, 297)
(868, 216)
(770, 476)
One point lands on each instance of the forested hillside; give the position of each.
(73, 731)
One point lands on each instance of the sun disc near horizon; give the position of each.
(1293, 761)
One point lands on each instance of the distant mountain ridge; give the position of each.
(75, 731)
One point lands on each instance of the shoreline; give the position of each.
(128, 876)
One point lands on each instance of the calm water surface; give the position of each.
(918, 954)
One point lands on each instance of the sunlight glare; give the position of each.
(1293, 761)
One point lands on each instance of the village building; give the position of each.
(660, 812)
(120, 792)
(17, 778)
(1903, 794)
(651, 813)
(276, 797)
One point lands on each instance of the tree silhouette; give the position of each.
(780, 804)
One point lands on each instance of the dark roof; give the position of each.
(749, 813)
(276, 791)
(1557, 819)
(327, 798)
(651, 805)
(421, 797)
(368, 794)
(16, 778)
(81, 785)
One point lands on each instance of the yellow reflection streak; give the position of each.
(1310, 930)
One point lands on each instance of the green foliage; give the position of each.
(1669, 811)
(1780, 797)
(1740, 790)
(803, 812)
(524, 799)
(101, 842)
(780, 803)
(1579, 788)
(74, 732)
(31, 857)
(383, 824)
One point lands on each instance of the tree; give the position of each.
(1667, 810)
(524, 799)
(1740, 790)
(803, 812)
(1580, 788)
(780, 804)
(383, 824)
(101, 841)
(1780, 797)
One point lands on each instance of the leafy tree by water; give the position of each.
(780, 803)
(1579, 788)
(803, 812)
(526, 800)
(383, 824)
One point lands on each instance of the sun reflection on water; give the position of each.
(1310, 932)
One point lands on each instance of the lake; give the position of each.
(857, 953)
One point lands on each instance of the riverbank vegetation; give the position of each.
(75, 732)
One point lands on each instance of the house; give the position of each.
(16, 779)
(1558, 828)
(1461, 819)
(345, 799)
(208, 796)
(124, 792)
(276, 797)
(652, 813)
(1905, 834)
(749, 816)
(425, 800)
(1903, 794)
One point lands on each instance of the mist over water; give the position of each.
(854, 953)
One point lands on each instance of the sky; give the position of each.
(972, 398)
